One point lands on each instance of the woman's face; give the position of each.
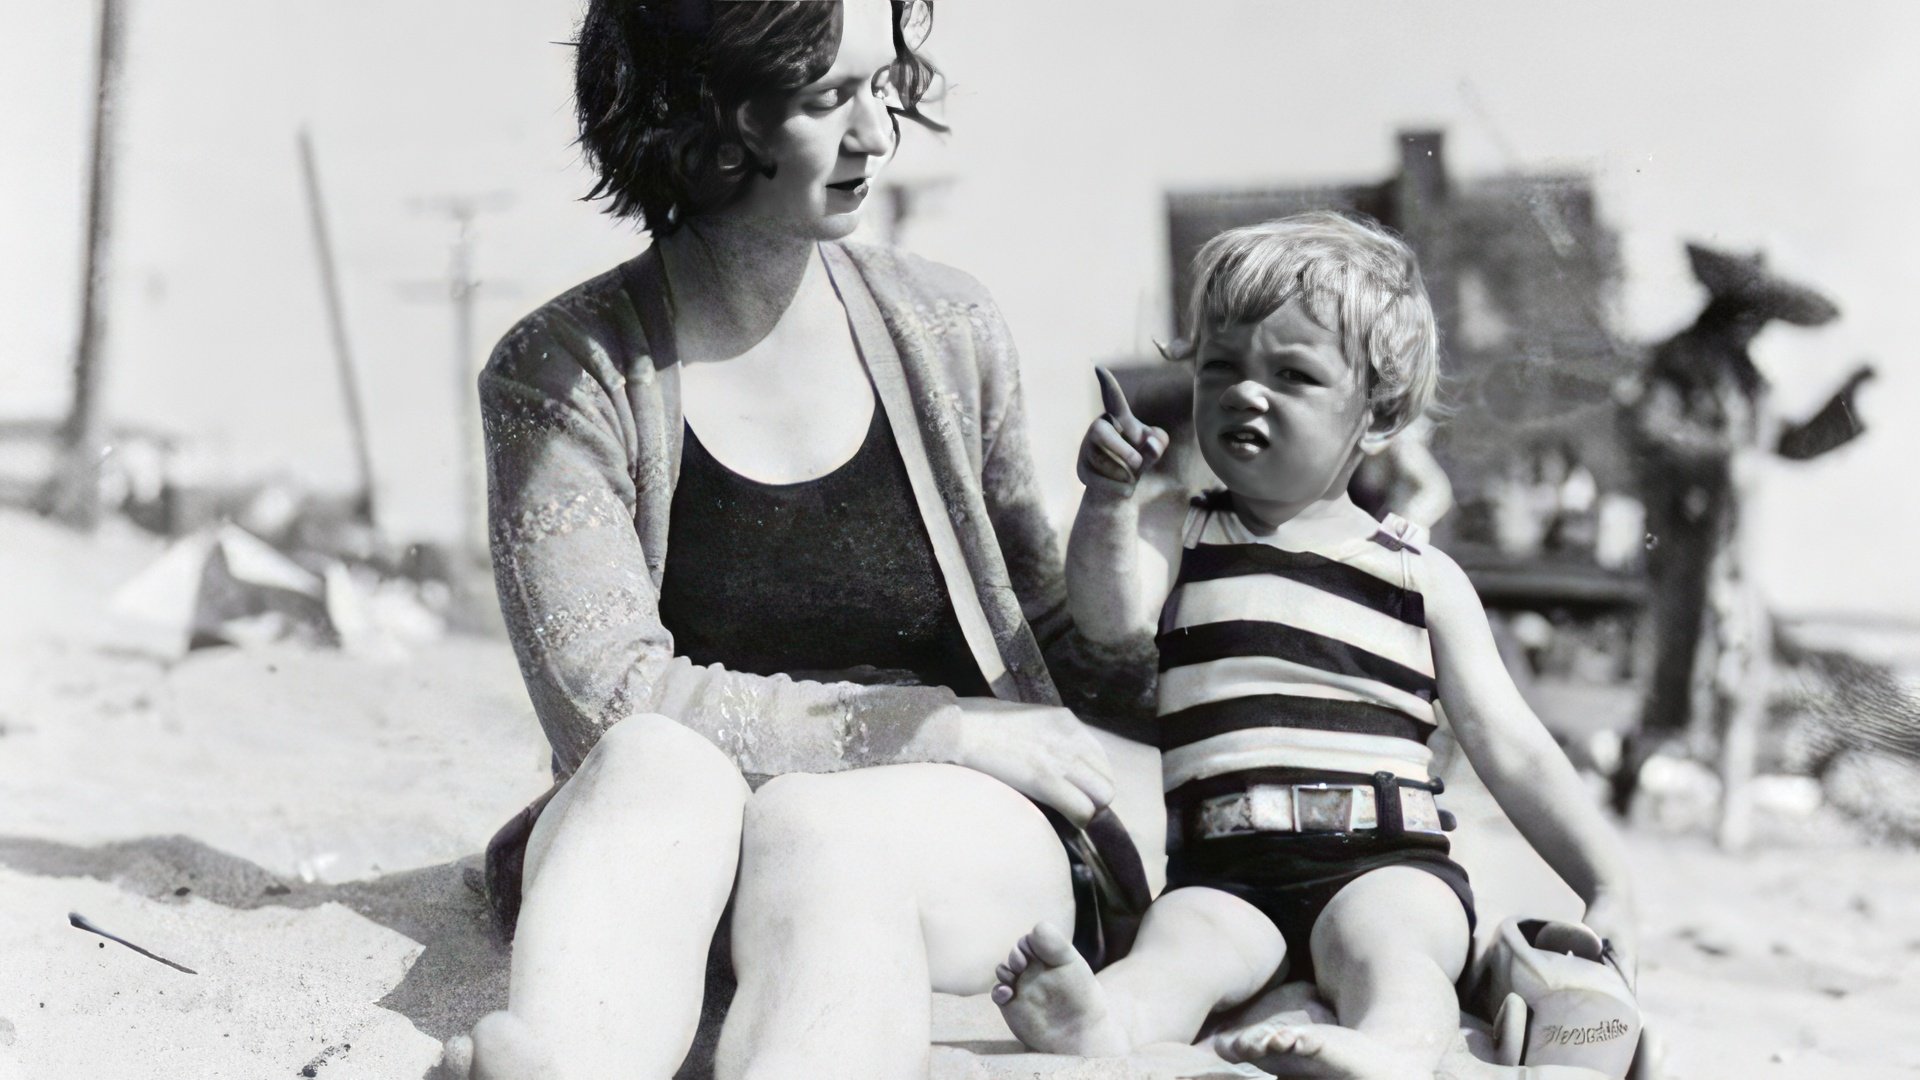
(829, 139)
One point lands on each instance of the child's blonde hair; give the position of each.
(1352, 275)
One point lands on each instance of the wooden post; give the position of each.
(337, 329)
(76, 486)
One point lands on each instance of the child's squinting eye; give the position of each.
(1216, 367)
(1296, 376)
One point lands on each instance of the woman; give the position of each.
(762, 505)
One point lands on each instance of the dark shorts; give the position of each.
(1110, 891)
(1291, 877)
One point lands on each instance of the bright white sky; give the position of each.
(1779, 124)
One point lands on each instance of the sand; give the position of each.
(301, 828)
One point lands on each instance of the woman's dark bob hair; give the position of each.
(658, 86)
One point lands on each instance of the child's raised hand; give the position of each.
(1119, 448)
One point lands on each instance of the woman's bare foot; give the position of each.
(1052, 1001)
(1322, 1051)
(505, 1048)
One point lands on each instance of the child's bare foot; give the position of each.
(1052, 1001)
(505, 1048)
(1322, 1051)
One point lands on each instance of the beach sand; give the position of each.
(301, 828)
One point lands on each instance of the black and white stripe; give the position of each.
(1310, 655)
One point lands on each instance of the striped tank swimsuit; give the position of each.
(1301, 653)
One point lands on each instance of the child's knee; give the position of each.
(1210, 917)
(1398, 913)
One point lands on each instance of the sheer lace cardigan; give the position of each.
(583, 427)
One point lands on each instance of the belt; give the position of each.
(1322, 808)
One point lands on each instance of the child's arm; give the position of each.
(1125, 544)
(1521, 764)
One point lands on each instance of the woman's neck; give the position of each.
(731, 284)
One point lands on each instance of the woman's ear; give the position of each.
(748, 125)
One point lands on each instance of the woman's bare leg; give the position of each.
(861, 891)
(627, 873)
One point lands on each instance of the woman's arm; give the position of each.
(1520, 763)
(580, 603)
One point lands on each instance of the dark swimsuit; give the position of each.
(831, 578)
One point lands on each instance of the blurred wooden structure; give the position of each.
(1522, 274)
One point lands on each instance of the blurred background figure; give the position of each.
(1697, 417)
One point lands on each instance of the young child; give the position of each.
(1305, 650)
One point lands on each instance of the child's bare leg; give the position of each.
(1199, 950)
(1308, 1046)
(1388, 950)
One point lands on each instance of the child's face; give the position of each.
(1279, 410)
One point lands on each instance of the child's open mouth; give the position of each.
(1243, 441)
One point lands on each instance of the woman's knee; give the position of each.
(879, 809)
(814, 814)
(646, 772)
(648, 750)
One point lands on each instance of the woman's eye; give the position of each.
(823, 102)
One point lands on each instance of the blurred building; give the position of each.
(1523, 277)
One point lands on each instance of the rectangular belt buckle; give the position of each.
(1331, 808)
(1270, 807)
(1226, 815)
(1419, 812)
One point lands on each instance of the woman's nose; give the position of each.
(872, 131)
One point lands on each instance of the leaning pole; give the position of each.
(76, 488)
(337, 329)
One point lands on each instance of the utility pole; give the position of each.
(459, 288)
(75, 495)
(337, 328)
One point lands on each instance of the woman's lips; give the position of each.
(856, 186)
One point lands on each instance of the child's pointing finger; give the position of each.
(1150, 441)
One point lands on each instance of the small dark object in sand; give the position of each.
(79, 922)
(312, 1068)
(182, 891)
(278, 890)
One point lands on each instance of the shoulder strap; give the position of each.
(1199, 510)
(896, 400)
(1405, 534)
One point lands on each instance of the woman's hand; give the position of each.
(1042, 751)
(1118, 449)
